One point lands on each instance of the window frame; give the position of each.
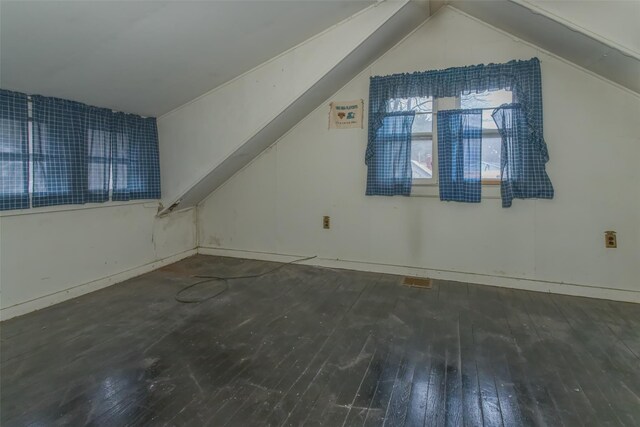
(491, 133)
(437, 104)
(448, 103)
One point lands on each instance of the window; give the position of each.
(447, 144)
(57, 152)
(424, 151)
(491, 141)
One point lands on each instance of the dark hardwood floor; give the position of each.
(320, 347)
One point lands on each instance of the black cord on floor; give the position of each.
(225, 280)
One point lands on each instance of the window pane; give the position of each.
(491, 148)
(485, 99)
(488, 100)
(417, 104)
(422, 123)
(422, 159)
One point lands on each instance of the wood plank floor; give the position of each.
(319, 347)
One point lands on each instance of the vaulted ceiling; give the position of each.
(149, 57)
(601, 36)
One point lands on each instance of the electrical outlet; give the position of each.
(326, 222)
(610, 240)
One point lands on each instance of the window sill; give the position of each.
(150, 204)
(489, 190)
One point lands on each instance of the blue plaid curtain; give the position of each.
(523, 158)
(389, 157)
(136, 163)
(521, 77)
(460, 155)
(74, 146)
(59, 152)
(99, 128)
(14, 151)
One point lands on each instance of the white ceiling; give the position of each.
(149, 57)
(583, 46)
(612, 20)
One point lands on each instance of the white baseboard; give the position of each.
(507, 282)
(481, 279)
(85, 288)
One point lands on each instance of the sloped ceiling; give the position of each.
(613, 20)
(204, 143)
(149, 57)
(560, 27)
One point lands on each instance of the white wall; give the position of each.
(55, 255)
(275, 204)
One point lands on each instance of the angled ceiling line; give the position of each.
(151, 59)
(546, 52)
(366, 70)
(236, 157)
(624, 50)
(232, 151)
(272, 59)
(484, 23)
